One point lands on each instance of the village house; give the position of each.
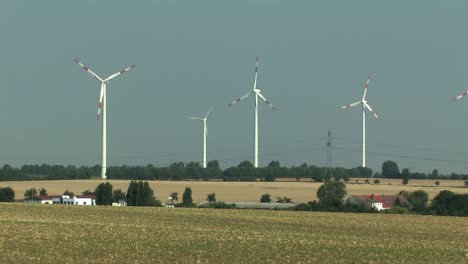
(378, 202)
(63, 199)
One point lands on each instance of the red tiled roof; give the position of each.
(377, 198)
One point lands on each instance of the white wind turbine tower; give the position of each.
(364, 105)
(257, 95)
(205, 132)
(102, 104)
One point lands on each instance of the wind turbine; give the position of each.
(258, 94)
(460, 96)
(364, 105)
(102, 105)
(205, 132)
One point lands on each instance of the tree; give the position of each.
(132, 193)
(7, 194)
(284, 199)
(405, 175)
(245, 164)
(405, 181)
(390, 170)
(174, 196)
(449, 203)
(346, 178)
(274, 164)
(441, 201)
(364, 172)
(69, 193)
(29, 193)
(211, 197)
(42, 192)
(104, 194)
(419, 200)
(139, 193)
(187, 197)
(118, 195)
(88, 192)
(213, 164)
(435, 174)
(331, 194)
(269, 177)
(265, 198)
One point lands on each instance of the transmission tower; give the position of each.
(329, 154)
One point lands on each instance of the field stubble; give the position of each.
(86, 234)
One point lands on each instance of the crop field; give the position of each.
(92, 234)
(302, 191)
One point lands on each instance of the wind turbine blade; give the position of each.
(240, 99)
(194, 118)
(372, 110)
(88, 70)
(256, 74)
(460, 96)
(209, 111)
(264, 99)
(119, 72)
(349, 105)
(365, 88)
(101, 96)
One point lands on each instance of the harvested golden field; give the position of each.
(242, 191)
(93, 234)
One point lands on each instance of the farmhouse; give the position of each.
(63, 199)
(378, 202)
(41, 199)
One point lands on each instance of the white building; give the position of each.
(75, 200)
(41, 199)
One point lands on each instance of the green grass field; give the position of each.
(93, 234)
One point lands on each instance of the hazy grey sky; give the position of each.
(314, 57)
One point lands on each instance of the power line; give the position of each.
(403, 156)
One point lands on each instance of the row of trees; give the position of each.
(245, 171)
(331, 198)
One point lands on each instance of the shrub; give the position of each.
(7, 194)
(377, 181)
(396, 210)
(222, 205)
(265, 198)
(211, 197)
(284, 199)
